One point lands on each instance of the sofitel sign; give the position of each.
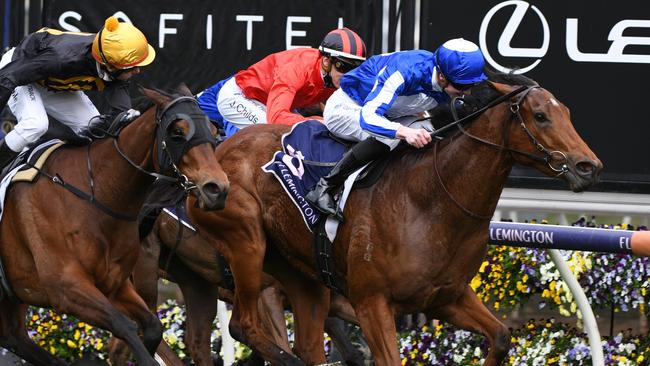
(613, 55)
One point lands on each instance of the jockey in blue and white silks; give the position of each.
(379, 101)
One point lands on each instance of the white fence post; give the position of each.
(583, 304)
(227, 342)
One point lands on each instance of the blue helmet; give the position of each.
(461, 61)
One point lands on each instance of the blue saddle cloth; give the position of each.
(308, 153)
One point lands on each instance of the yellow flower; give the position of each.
(640, 359)
(99, 345)
(71, 344)
(52, 350)
(77, 335)
(483, 265)
(81, 324)
(34, 317)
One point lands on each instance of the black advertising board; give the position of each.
(593, 55)
(202, 42)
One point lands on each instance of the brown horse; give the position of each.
(411, 242)
(196, 267)
(75, 254)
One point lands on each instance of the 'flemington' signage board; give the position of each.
(593, 55)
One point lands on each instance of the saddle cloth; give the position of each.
(25, 169)
(308, 153)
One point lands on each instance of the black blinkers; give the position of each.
(171, 148)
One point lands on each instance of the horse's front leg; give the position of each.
(310, 305)
(129, 302)
(336, 329)
(73, 293)
(14, 337)
(377, 321)
(201, 308)
(469, 313)
(246, 260)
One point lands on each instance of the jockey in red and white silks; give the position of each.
(270, 90)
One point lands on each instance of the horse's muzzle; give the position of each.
(212, 196)
(584, 174)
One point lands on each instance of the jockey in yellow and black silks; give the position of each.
(49, 70)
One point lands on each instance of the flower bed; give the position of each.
(507, 279)
(539, 342)
(509, 276)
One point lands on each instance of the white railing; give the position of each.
(560, 203)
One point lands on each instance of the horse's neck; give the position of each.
(468, 171)
(118, 183)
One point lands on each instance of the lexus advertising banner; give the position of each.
(594, 56)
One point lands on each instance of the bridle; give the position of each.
(515, 112)
(172, 149)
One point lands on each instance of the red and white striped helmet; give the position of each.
(345, 45)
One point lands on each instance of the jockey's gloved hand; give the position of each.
(129, 115)
(122, 120)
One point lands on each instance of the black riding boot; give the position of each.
(359, 155)
(6, 154)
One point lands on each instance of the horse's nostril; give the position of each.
(211, 189)
(585, 168)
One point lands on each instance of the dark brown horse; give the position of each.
(410, 243)
(74, 254)
(198, 270)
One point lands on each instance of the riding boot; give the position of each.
(359, 155)
(6, 154)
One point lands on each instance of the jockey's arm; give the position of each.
(388, 86)
(118, 98)
(378, 102)
(287, 82)
(23, 71)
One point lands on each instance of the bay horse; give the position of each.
(411, 242)
(185, 258)
(75, 252)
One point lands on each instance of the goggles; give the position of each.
(344, 66)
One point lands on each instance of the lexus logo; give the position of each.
(503, 46)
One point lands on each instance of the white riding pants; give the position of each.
(237, 109)
(32, 103)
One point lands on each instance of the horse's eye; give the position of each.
(540, 117)
(178, 132)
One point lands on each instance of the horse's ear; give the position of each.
(155, 96)
(184, 90)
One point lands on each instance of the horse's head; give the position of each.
(184, 148)
(543, 136)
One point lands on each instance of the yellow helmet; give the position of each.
(122, 46)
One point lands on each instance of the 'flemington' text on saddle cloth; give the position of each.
(308, 153)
